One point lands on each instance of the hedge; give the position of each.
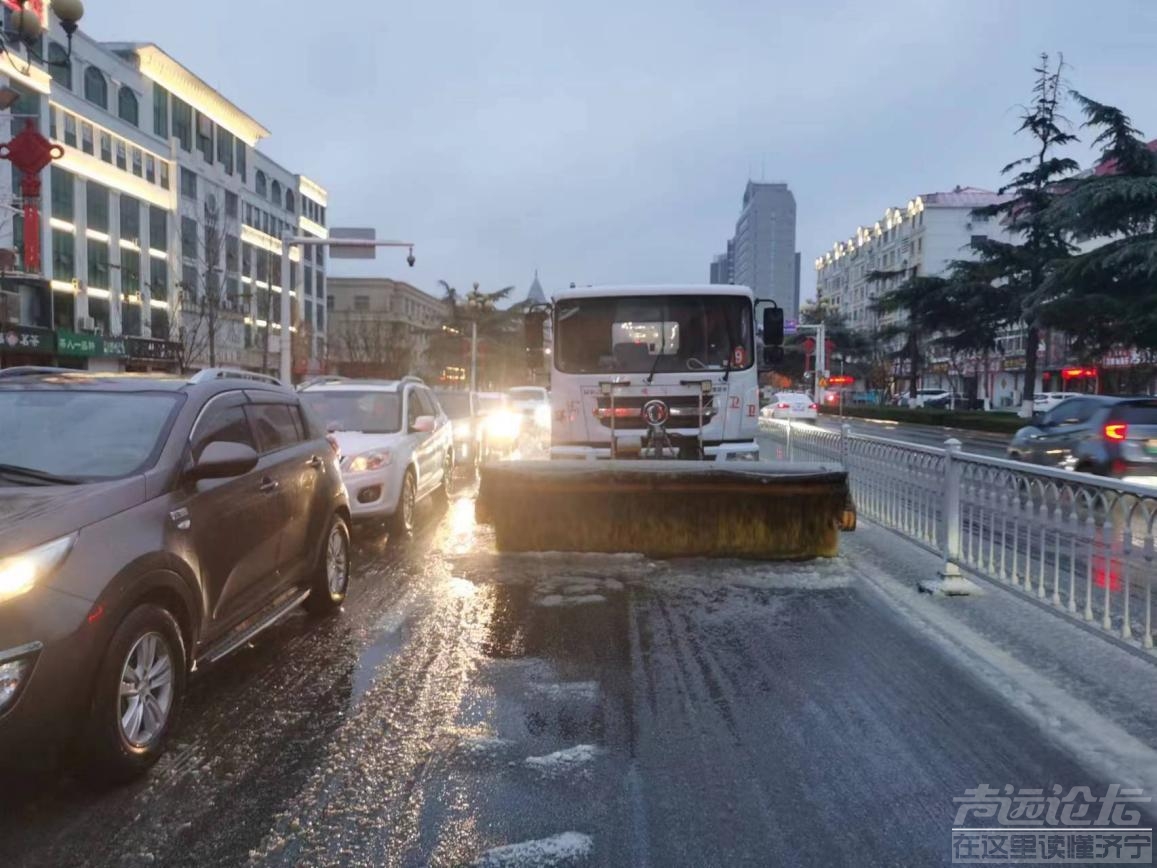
(971, 420)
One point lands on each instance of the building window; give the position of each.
(98, 264)
(329, 303)
(232, 253)
(188, 238)
(246, 260)
(160, 111)
(138, 162)
(290, 203)
(183, 124)
(361, 303)
(158, 228)
(63, 195)
(189, 280)
(230, 204)
(106, 147)
(309, 311)
(205, 137)
(321, 215)
(320, 255)
(122, 155)
(70, 130)
(98, 310)
(307, 284)
(59, 66)
(96, 87)
(86, 143)
(164, 175)
(98, 211)
(261, 187)
(52, 132)
(188, 184)
(128, 109)
(158, 279)
(225, 149)
(241, 158)
(131, 273)
(130, 219)
(150, 169)
(160, 323)
(63, 255)
(275, 192)
(131, 318)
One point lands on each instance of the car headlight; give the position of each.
(12, 675)
(20, 573)
(504, 425)
(369, 461)
(461, 432)
(542, 415)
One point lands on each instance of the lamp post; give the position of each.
(28, 27)
(477, 304)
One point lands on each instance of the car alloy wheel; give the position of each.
(146, 692)
(337, 560)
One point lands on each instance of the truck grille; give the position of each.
(628, 409)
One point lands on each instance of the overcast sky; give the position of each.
(610, 141)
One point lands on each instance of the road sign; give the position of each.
(790, 326)
(342, 251)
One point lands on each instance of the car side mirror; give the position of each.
(223, 460)
(423, 425)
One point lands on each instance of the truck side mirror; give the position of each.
(772, 356)
(534, 323)
(773, 326)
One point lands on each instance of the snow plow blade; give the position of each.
(666, 509)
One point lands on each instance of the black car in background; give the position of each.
(1105, 435)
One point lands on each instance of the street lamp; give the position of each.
(477, 303)
(28, 28)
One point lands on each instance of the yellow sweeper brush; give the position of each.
(667, 508)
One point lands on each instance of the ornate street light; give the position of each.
(27, 28)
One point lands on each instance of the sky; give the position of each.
(605, 142)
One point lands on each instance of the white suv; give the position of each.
(396, 444)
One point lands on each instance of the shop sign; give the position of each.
(26, 339)
(89, 346)
(152, 350)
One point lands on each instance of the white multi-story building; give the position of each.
(921, 238)
(161, 221)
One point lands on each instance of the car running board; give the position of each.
(232, 643)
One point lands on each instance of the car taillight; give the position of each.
(783, 405)
(1116, 431)
(813, 406)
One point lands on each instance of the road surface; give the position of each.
(468, 708)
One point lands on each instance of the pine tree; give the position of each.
(1108, 295)
(1023, 266)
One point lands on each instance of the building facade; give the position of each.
(380, 327)
(922, 238)
(160, 221)
(762, 253)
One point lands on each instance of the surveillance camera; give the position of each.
(411, 260)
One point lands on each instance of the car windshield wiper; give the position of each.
(36, 477)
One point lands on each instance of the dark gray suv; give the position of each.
(149, 524)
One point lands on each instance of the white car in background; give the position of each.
(1042, 402)
(397, 444)
(924, 396)
(791, 405)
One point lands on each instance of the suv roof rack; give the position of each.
(207, 374)
(411, 378)
(33, 370)
(325, 378)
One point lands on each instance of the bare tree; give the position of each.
(202, 299)
(371, 344)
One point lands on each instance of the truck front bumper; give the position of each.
(745, 451)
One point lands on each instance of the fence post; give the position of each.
(789, 439)
(845, 433)
(950, 581)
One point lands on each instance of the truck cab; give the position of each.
(654, 372)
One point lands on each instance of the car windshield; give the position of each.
(83, 435)
(528, 393)
(653, 333)
(456, 404)
(367, 412)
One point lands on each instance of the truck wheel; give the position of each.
(137, 697)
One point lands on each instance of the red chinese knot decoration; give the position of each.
(31, 153)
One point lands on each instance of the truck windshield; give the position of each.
(644, 333)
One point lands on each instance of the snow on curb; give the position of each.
(563, 691)
(568, 848)
(571, 761)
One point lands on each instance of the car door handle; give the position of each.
(269, 485)
(315, 462)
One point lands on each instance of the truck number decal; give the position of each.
(751, 410)
(734, 402)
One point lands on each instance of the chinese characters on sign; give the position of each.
(26, 339)
(1027, 826)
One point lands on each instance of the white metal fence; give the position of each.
(1082, 543)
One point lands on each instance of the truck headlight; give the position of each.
(19, 573)
(504, 425)
(461, 432)
(369, 461)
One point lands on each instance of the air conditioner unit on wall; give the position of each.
(86, 324)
